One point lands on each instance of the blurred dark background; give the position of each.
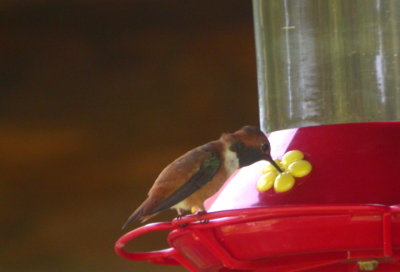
(96, 97)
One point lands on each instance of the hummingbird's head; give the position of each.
(251, 145)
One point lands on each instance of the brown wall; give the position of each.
(96, 97)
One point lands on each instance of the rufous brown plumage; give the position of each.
(198, 174)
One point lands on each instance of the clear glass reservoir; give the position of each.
(327, 61)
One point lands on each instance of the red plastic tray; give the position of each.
(295, 238)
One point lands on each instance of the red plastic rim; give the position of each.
(206, 226)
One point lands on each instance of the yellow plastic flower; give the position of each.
(300, 168)
(283, 182)
(293, 166)
(267, 181)
(292, 156)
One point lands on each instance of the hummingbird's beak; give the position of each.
(271, 161)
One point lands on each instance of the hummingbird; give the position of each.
(198, 174)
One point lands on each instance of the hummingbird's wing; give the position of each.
(206, 172)
(179, 180)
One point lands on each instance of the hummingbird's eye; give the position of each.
(265, 147)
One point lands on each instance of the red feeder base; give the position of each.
(343, 216)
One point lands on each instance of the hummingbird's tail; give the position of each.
(134, 216)
(141, 213)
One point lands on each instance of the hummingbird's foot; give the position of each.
(198, 212)
(179, 218)
(199, 215)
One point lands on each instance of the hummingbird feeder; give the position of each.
(329, 94)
